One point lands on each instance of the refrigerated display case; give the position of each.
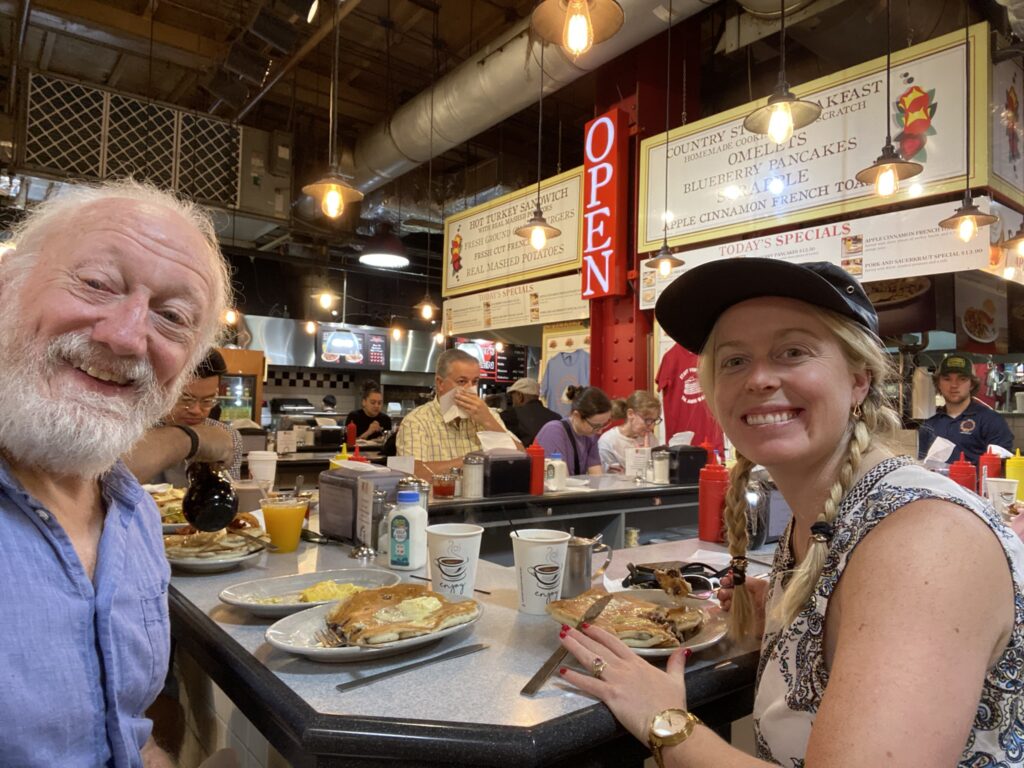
(241, 388)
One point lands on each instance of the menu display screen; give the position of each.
(502, 367)
(340, 347)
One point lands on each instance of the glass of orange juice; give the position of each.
(282, 517)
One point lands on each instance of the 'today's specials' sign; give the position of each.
(533, 303)
(723, 180)
(481, 249)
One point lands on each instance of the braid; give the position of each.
(741, 615)
(805, 577)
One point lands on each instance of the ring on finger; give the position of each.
(597, 666)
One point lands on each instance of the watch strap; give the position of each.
(656, 742)
(194, 448)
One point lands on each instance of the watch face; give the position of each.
(669, 723)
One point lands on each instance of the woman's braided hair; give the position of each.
(871, 422)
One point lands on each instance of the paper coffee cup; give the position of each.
(540, 561)
(262, 465)
(1002, 493)
(453, 550)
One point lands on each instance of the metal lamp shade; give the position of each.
(904, 169)
(538, 220)
(333, 180)
(665, 260)
(548, 19)
(804, 112)
(968, 210)
(385, 249)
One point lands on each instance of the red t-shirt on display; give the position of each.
(686, 410)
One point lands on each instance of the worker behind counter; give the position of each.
(527, 414)
(964, 420)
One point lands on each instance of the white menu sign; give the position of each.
(482, 249)
(903, 244)
(533, 303)
(1008, 124)
(723, 180)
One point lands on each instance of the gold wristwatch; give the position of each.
(668, 728)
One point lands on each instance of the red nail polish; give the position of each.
(584, 625)
(687, 653)
(562, 670)
(565, 627)
(562, 634)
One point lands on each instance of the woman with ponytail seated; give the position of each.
(892, 624)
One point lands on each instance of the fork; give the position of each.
(328, 638)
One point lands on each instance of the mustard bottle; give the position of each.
(1015, 471)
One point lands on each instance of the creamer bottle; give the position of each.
(556, 472)
(407, 533)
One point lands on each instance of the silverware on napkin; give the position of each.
(454, 653)
(555, 659)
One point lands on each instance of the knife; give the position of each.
(454, 653)
(555, 659)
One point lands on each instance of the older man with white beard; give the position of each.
(109, 299)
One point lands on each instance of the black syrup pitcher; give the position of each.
(210, 502)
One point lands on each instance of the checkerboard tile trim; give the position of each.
(279, 376)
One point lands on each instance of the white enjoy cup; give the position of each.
(453, 550)
(540, 562)
(1002, 493)
(262, 465)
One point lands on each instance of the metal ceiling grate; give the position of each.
(82, 132)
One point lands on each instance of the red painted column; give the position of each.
(635, 82)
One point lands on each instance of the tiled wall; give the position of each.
(313, 385)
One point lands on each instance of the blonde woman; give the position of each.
(892, 628)
(641, 414)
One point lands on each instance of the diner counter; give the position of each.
(464, 712)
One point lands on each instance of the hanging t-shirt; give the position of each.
(686, 410)
(563, 370)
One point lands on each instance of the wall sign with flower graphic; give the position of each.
(1007, 127)
(723, 182)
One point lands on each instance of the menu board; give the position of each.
(502, 367)
(341, 347)
(511, 364)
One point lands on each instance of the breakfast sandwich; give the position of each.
(636, 622)
(386, 614)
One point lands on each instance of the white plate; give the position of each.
(984, 338)
(294, 634)
(246, 594)
(174, 527)
(215, 564)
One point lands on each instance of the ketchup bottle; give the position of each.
(989, 465)
(711, 489)
(536, 454)
(962, 471)
(357, 456)
(351, 434)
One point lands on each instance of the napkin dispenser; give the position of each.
(685, 463)
(506, 473)
(339, 495)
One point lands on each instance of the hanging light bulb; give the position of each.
(967, 229)
(426, 307)
(332, 204)
(538, 239)
(310, 327)
(780, 124)
(665, 261)
(578, 34)
(537, 230)
(426, 312)
(887, 182)
(230, 317)
(313, 8)
(439, 338)
(326, 300)
(396, 333)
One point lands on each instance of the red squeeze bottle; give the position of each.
(989, 465)
(351, 434)
(536, 454)
(962, 471)
(357, 456)
(711, 489)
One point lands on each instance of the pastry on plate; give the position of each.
(636, 622)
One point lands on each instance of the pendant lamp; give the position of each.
(332, 191)
(1016, 243)
(968, 217)
(784, 112)
(537, 230)
(426, 308)
(889, 169)
(664, 261)
(577, 24)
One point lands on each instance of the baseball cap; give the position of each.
(526, 386)
(691, 305)
(955, 364)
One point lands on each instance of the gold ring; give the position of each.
(598, 665)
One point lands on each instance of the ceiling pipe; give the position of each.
(491, 86)
(289, 64)
(19, 43)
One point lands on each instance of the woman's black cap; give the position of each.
(689, 308)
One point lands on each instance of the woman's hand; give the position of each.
(758, 589)
(633, 689)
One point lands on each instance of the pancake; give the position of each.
(636, 622)
(386, 614)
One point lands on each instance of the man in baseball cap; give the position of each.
(965, 421)
(527, 414)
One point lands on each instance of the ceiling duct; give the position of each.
(274, 31)
(490, 87)
(1015, 12)
(770, 9)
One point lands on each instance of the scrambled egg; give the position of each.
(413, 609)
(328, 590)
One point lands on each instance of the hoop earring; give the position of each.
(856, 412)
